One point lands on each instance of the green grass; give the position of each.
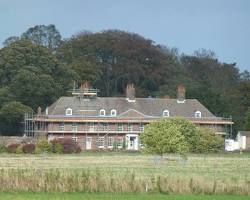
(105, 196)
(126, 172)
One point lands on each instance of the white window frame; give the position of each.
(120, 127)
(141, 128)
(113, 112)
(62, 126)
(165, 113)
(101, 140)
(197, 114)
(102, 113)
(119, 143)
(110, 142)
(130, 127)
(68, 112)
(91, 127)
(74, 127)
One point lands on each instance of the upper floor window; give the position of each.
(74, 127)
(120, 127)
(141, 127)
(130, 127)
(68, 111)
(102, 112)
(113, 112)
(165, 113)
(61, 126)
(197, 114)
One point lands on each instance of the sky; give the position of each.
(222, 26)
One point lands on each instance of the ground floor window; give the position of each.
(110, 142)
(101, 142)
(119, 143)
(88, 143)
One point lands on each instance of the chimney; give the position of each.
(181, 92)
(39, 111)
(46, 111)
(130, 91)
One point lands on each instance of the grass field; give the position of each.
(101, 196)
(116, 172)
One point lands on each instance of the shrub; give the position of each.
(28, 148)
(2, 148)
(19, 149)
(43, 146)
(67, 145)
(78, 149)
(208, 141)
(11, 148)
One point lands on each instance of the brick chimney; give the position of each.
(130, 91)
(39, 111)
(181, 92)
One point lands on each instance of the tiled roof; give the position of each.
(147, 107)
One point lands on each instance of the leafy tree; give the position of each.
(247, 120)
(33, 74)
(188, 130)
(47, 36)
(164, 136)
(10, 40)
(11, 116)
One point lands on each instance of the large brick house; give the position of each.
(115, 122)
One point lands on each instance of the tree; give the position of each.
(47, 36)
(32, 74)
(11, 116)
(10, 40)
(164, 136)
(247, 120)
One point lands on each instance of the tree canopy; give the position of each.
(38, 66)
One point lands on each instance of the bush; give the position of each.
(28, 148)
(65, 145)
(208, 141)
(11, 148)
(2, 148)
(78, 149)
(43, 146)
(19, 149)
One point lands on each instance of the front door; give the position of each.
(88, 142)
(132, 141)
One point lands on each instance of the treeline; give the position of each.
(39, 66)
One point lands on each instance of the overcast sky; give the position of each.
(219, 25)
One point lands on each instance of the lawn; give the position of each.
(101, 196)
(126, 172)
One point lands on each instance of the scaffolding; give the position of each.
(35, 126)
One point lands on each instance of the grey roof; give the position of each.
(245, 133)
(150, 107)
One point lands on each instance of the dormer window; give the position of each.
(68, 111)
(165, 113)
(197, 114)
(102, 112)
(113, 113)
